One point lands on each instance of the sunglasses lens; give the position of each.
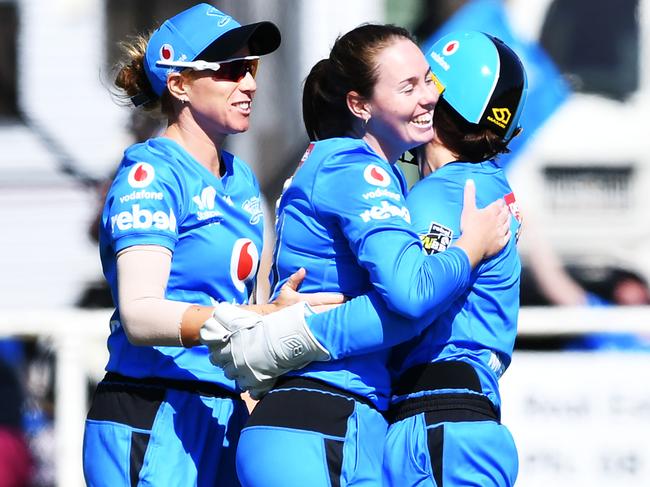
(236, 70)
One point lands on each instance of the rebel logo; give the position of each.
(166, 52)
(376, 176)
(141, 175)
(243, 263)
(143, 219)
(384, 211)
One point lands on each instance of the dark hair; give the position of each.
(467, 141)
(351, 66)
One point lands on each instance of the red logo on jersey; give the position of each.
(513, 206)
(376, 176)
(243, 262)
(141, 175)
(306, 154)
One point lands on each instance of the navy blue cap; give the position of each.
(203, 32)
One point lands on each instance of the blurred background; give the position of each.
(575, 397)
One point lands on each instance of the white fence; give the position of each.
(578, 418)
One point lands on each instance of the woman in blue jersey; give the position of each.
(344, 218)
(181, 230)
(445, 409)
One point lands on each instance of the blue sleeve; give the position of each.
(370, 325)
(434, 207)
(376, 223)
(144, 204)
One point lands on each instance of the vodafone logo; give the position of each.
(243, 263)
(376, 175)
(166, 52)
(450, 48)
(141, 175)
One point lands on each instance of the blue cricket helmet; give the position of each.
(481, 78)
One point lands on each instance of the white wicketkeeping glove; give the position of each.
(254, 349)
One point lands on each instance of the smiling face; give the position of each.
(221, 107)
(402, 103)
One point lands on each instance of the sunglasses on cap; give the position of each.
(230, 69)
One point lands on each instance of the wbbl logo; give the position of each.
(438, 239)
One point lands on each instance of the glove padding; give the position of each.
(254, 349)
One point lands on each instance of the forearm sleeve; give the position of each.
(147, 317)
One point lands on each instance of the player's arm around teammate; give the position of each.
(343, 218)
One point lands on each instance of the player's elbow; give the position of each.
(407, 304)
(133, 334)
(131, 322)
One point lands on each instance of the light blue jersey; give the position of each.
(166, 415)
(162, 196)
(344, 218)
(480, 327)
(445, 413)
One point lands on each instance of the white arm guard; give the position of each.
(254, 349)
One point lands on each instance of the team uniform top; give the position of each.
(480, 326)
(163, 196)
(343, 217)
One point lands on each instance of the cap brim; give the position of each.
(260, 38)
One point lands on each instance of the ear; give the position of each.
(358, 105)
(177, 85)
